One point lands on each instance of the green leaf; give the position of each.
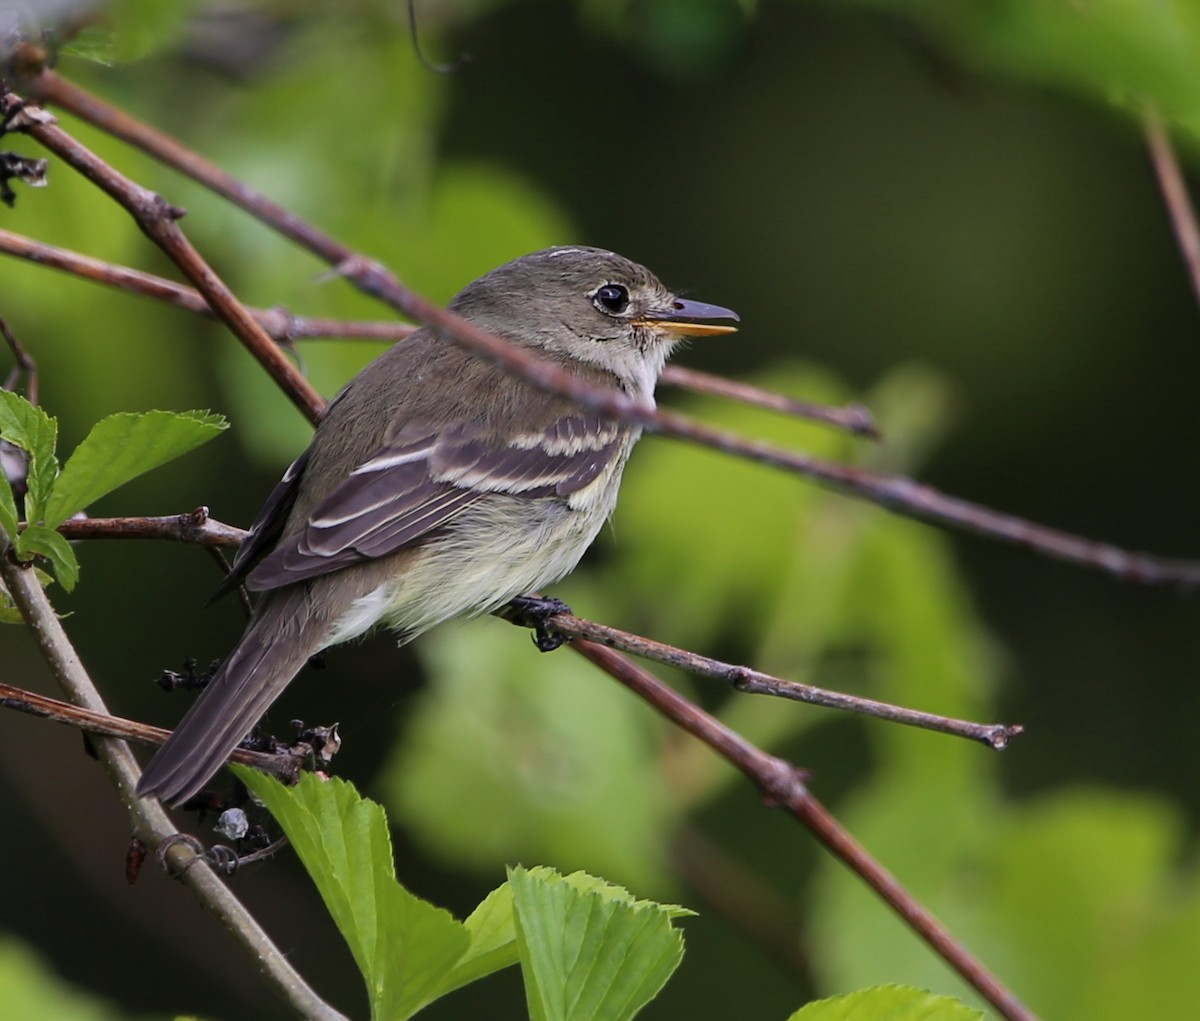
(122, 447)
(590, 950)
(409, 951)
(887, 1003)
(35, 432)
(493, 942)
(48, 543)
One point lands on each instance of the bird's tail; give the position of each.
(269, 655)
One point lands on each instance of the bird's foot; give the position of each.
(535, 612)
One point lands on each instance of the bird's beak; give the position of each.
(689, 319)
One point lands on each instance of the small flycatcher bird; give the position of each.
(438, 484)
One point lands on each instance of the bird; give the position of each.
(439, 485)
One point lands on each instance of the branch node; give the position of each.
(178, 853)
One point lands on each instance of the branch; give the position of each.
(1175, 194)
(157, 219)
(898, 494)
(197, 528)
(567, 625)
(283, 767)
(783, 786)
(284, 327)
(148, 820)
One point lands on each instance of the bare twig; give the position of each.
(898, 494)
(24, 365)
(783, 786)
(1175, 194)
(284, 326)
(853, 418)
(742, 678)
(157, 219)
(147, 818)
(199, 529)
(283, 768)
(194, 527)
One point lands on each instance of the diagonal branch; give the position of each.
(283, 768)
(755, 682)
(157, 219)
(284, 327)
(897, 494)
(784, 787)
(148, 820)
(1175, 194)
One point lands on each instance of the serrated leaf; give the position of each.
(35, 432)
(887, 1003)
(589, 950)
(45, 542)
(120, 448)
(409, 951)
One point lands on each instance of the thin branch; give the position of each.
(854, 418)
(157, 219)
(784, 786)
(147, 818)
(283, 327)
(48, 87)
(1175, 194)
(24, 365)
(198, 528)
(567, 625)
(284, 768)
(195, 527)
(279, 324)
(898, 494)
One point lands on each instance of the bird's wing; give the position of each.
(418, 482)
(267, 527)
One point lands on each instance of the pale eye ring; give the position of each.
(611, 298)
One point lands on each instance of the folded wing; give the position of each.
(417, 484)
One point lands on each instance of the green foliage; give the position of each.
(587, 950)
(886, 1003)
(590, 951)
(118, 449)
(1125, 52)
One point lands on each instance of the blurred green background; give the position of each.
(939, 212)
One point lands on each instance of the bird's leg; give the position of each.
(535, 612)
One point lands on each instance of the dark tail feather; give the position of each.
(249, 680)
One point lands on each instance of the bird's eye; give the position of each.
(612, 298)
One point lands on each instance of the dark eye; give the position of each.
(612, 298)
